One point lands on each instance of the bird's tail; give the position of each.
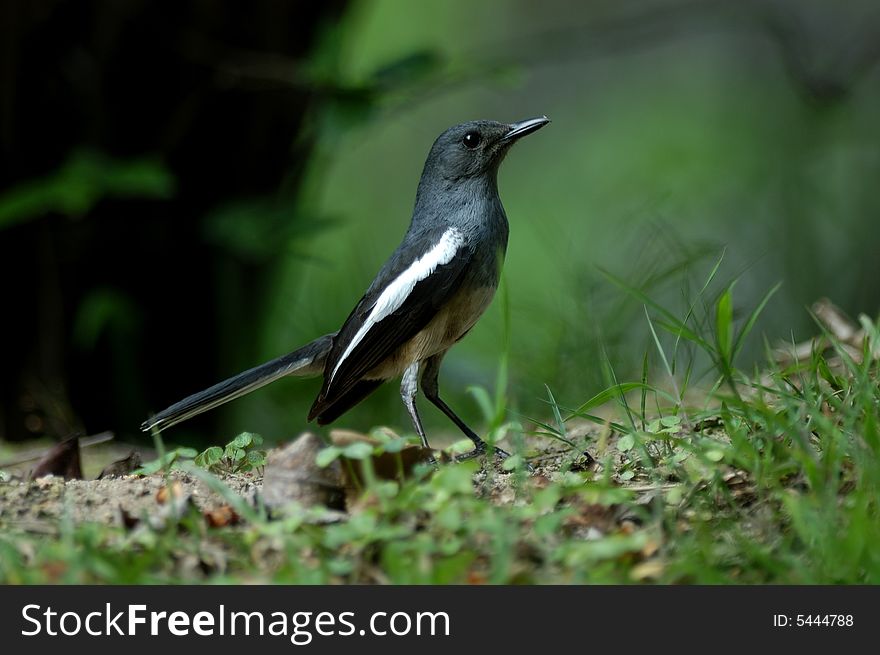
(304, 362)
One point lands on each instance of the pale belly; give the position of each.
(450, 324)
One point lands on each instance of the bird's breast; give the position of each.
(457, 316)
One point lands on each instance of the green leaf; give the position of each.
(154, 466)
(327, 456)
(256, 458)
(167, 460)
(243, 440)
(674, 495)
(724, 325)
(234, 454)
(357, 450)
(512, 462)
(552, 432)
(557, 416)
(691, 336)
(84, 179)
(209, 457)
(612, 392)
(395, 445)
(714, 455)
(659, 346)
(679, 331)
(753, 317)
(626, 443)
(456, 479)
(654, 426)
(640, 295)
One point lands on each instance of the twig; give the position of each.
(31, 455)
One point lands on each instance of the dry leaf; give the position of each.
(174, 491)
(222, 516)
(122, 466)
(61, 460)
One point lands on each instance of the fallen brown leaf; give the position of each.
(222, 516)
(173, 491)
(122, 466)
(62, 460)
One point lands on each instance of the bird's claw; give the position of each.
(482, 449)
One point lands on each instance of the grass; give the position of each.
(706, 474)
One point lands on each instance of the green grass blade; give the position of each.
(724, 326)
(641, 296)
(557, 415)
(752, 319)
(657, 343)
(644, 395)
(679, 331)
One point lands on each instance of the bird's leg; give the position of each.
(430, 387)
(409, 387)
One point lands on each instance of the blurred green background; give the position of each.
(191, 190)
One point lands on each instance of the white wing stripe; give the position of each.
(396, 293)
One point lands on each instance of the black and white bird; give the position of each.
(426, 297)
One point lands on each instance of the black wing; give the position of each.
(388, 334)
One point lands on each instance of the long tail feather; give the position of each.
(304, 362)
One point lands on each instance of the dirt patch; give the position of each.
(40, 505)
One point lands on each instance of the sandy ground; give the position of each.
(40, 505)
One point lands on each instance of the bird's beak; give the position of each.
(522, 128)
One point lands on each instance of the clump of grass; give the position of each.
(771, 477)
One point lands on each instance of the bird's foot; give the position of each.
(481, 448)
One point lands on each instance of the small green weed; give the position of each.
(167, 460)
(240, 455)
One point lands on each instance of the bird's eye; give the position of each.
(472, 140)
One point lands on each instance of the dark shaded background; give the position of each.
(100, 85)
(187, 189)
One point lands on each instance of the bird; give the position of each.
(424, 299)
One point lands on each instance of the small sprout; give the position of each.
(512, 462)
(327, 456)
(208, 458)
(238, 456)
(257, 458)
(395, 445)
(357, 450)
(169, 461)
(714, 455)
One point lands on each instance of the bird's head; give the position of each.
(476, 148)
